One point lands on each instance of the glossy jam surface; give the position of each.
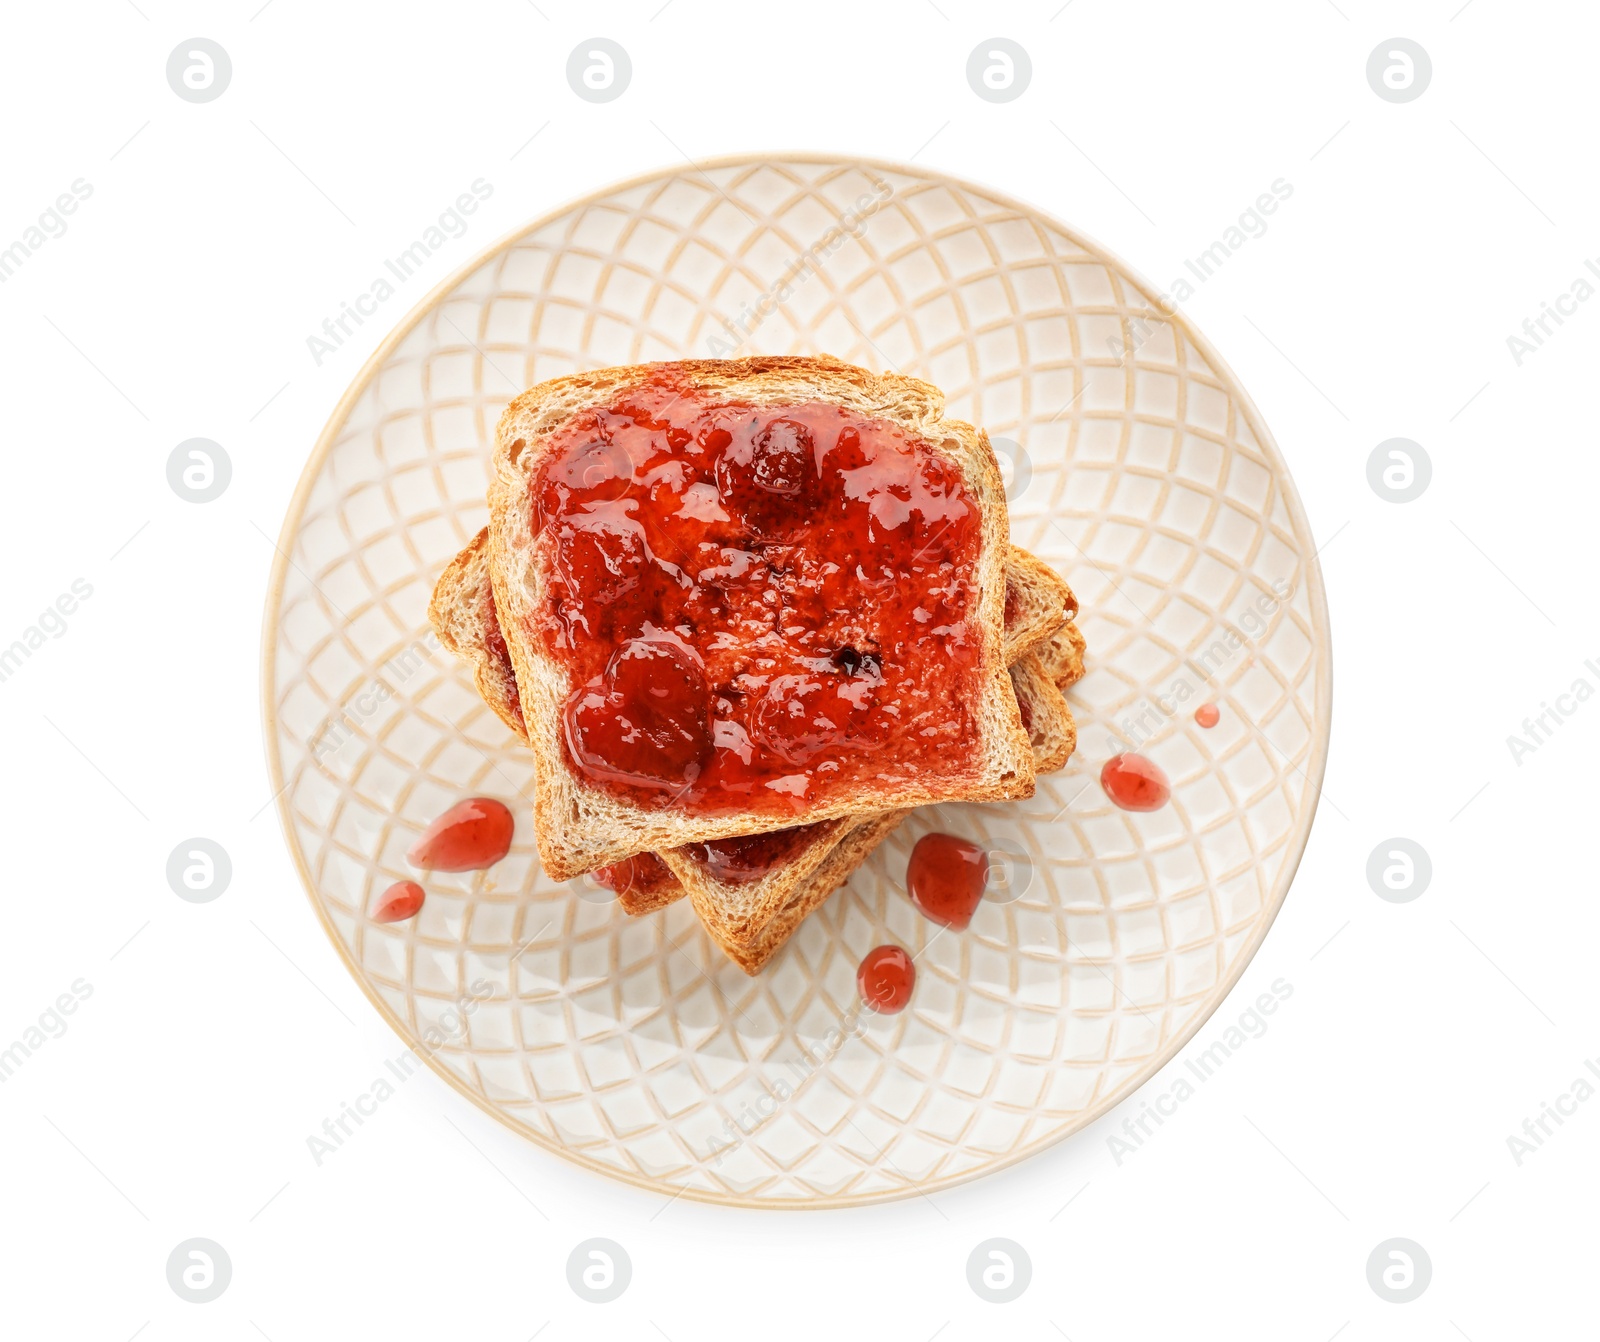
(1208, 715)
(946, 878)
(885, 979)
(1135, 783)
(641, 872)
(749, 857)
(758, 607)
(470, 836)
(399, 902)
(737, 861)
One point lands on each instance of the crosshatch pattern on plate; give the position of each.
(632, 1045)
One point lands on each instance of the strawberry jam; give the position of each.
(1135, 783)
(885, 979)
(640, 873)
(759, 607)
(946, 878)
(470, 836)
(400, 901)
(749, 857)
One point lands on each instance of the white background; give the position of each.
(219, 236)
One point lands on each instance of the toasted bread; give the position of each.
(735, 911)
(463, 613)
(840, 865)
(1038, 604)
(579, 826)
(1049, 722)
(1062, 655)
(1055, 737)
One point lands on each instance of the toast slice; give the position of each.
(1038, 604)
(739, 885)
(462, 611)
(1054, 737)
(641, 533)
(841, 864)
(642, 884)
(1061, 655)
(1052, 730)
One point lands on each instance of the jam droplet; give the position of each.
(1208, 715)
(470, 836)
(885, 979)
(946, 878)
(399, 902)
(1135, 783)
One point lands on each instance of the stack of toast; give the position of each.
(747, 615)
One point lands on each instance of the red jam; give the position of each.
(399, 902)
(749, 857)
(1135, 783)
(759, 607)
(494, 642)
(641, 872)
(946, 878)
(885, 979)
(1208, 715)
(470, 836)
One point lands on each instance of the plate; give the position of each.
(1135, 464)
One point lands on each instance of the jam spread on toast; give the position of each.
(738, 861)
(749, 857)
(758, 607)
(642, 872)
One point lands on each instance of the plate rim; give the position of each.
(1299, 839)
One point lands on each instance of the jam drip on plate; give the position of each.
(1135, 783)
(470, 836)
(400, 901)
(946, 878)
(885, 979)
(758, 606)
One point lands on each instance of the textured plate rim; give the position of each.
(1322, 721)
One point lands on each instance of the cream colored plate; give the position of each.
(632, 1046)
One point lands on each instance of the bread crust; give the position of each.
(459, 611)
(579, 827)
(1062, 653)
(846, 856)
(1038, 603)
(1052, 730)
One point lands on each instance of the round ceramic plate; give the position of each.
(1137, 467)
